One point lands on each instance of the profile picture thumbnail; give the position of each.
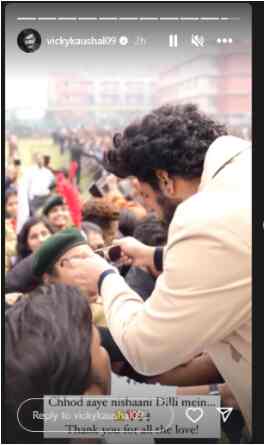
(29, 40)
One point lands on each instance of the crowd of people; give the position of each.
(172, 193)
(86, 147)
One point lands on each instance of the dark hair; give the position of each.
(100, 210)
(47, 351)
(88, 227)
(11, 191)
(65, 172)
(46, 160)
(22, 238)
(21, 40)
(151, 231)
(174, 138)
(127, 222)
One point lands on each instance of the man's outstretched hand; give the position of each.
(85, 273)
(136, 253)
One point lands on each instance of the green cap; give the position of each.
(53, 201)
(54, 247)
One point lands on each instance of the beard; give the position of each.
(168, 208)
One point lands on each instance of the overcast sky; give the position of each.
(27, 74)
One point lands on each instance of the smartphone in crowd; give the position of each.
(112, 253)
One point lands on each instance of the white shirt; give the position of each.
(35, 182)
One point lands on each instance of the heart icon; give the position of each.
(194, 414)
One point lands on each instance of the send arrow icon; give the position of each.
(225, 413)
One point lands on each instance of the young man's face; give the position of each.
(67, 261)
(101, 367)
(149, 198)
(59, 216)
(156, 201)
(30, 41)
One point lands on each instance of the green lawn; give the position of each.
(46, 146)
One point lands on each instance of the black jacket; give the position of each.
(21, 278)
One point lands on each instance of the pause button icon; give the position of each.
(173, 40)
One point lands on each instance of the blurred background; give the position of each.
(67, 103)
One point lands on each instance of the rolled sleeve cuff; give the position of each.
(102, 277)
(158, 259)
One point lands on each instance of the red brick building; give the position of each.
(217, 79)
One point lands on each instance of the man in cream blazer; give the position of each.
(202, 298)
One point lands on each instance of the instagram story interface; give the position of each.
(128, 222)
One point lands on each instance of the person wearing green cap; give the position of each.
(57, 213)
(58, 253)
(54, 263)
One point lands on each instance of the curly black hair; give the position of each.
(174, 138)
